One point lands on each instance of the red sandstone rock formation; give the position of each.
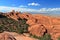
(6, 36)
(37, 30)
(39, 23)
(14, 36)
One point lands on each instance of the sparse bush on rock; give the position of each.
(45, 37)
(38, 24)
(58, 38)
(8, 24)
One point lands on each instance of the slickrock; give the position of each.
(39, 24)
(6, 36)
(37, 30)
(14, 36)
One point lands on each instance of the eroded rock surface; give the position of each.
(39, 24)
(6, 36)
(37, 30)
(14, 36)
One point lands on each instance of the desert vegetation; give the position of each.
(45, 37)
(58, 38)
(39, 26)
(8, 24)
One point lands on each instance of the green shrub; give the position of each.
(11, 25)
(45, 37)
(58, 38)
(1, 28)
(34, 36)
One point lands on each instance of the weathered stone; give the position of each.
(6, 36)
(35, 21)
(37, 30)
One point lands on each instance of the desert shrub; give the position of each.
(45, 37)
(11, 25)
(34, 36)
(58, 38)
(1, 28)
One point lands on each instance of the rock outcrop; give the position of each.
(14, 36)
(37, 30)
(6, 36)
(38, 24)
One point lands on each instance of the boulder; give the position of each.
(6, 36)
(37, 30)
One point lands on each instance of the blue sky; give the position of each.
(37, 6)
(42, 3)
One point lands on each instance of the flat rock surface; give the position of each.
(14, 36)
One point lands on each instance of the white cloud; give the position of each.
(6, 9)
(42, 10)
(22, 6)
(33, 4)
(50, 9)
